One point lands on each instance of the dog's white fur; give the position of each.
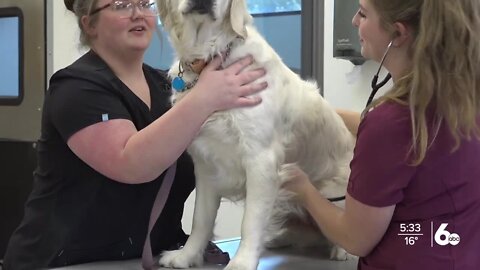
(239, 154)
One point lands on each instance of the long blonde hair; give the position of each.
(446, 67)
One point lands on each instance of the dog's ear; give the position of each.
(239, 17)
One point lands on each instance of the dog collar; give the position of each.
(196, 66)
(178, 83)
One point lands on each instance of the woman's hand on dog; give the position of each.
(231, 87)
(295, 180)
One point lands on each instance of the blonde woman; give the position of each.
(413, 198)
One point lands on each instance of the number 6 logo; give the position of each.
(449, 238)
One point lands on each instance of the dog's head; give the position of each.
(220, 15)
(232, 12)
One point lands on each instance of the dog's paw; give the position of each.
(338, 254)
(180, 259)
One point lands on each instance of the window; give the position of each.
(274, 6)
(11, 56)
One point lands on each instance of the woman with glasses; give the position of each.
(108, 136)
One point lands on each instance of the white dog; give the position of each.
(239, 154)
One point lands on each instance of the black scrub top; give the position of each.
(75, 214)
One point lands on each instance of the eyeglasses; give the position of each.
(126, 8)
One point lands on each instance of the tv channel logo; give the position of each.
(443, 237)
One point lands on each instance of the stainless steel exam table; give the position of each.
(279, 259)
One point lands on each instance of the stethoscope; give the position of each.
(375, 86)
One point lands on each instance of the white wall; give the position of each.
(342, 88)
(65, 48)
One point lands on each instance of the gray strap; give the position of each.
(160, 200)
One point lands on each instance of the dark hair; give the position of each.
(69, 4)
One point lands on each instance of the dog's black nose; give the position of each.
(200, 6)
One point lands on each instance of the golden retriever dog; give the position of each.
(239, 154)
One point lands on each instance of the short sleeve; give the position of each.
(380, 168)
(75, 103)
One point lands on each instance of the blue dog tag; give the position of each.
(178, 84)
